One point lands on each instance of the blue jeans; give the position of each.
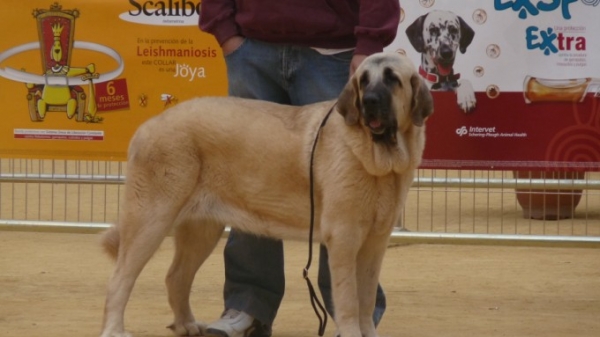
(254, 277)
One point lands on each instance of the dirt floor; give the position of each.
(53, 284)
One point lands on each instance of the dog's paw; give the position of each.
(188, 329)
(116, 334)
(465, 96)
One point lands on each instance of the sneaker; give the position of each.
(235, 323)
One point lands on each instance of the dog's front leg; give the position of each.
(369, 261)
(465, 96)
(342, 251)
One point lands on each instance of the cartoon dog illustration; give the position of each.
(61, 95)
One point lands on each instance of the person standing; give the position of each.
(294, 52)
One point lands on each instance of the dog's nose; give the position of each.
(446, 52)
(371, 100)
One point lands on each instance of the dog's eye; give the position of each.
(434, 31)
(364, 80)
(390, 78)
(453, 30)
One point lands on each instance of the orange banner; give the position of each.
(78, 77)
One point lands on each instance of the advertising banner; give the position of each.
(516, 83)
(78, 77)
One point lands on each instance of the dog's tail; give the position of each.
(110, 242)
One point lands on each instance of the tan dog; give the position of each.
(212, 162)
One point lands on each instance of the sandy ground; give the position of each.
(53, 284)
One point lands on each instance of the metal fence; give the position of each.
(454, 205)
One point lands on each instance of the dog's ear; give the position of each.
(414, 32)
(348, 104)
(466, 35)
(422, 101)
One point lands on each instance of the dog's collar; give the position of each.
(435, 78)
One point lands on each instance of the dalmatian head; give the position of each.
(437, 35)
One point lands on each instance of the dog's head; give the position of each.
(438, 35)
(385, 94)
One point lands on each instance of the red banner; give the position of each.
(516, 84)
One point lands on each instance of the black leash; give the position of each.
(314, 300)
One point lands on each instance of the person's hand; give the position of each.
(231, 44)
(355, 62)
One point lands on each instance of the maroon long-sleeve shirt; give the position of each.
(367, 25)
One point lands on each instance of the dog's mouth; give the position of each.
(382, 129)
(376, 126)
(444, 68)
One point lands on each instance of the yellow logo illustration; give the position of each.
(60, 87)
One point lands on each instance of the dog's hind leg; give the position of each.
(194, 241)
(139, 239)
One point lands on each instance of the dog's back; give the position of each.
(221, 159)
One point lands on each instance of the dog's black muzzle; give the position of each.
(378, 115)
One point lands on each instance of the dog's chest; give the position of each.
(385, 202)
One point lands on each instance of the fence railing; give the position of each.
(443, 205)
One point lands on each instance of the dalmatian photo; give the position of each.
(437, 36)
